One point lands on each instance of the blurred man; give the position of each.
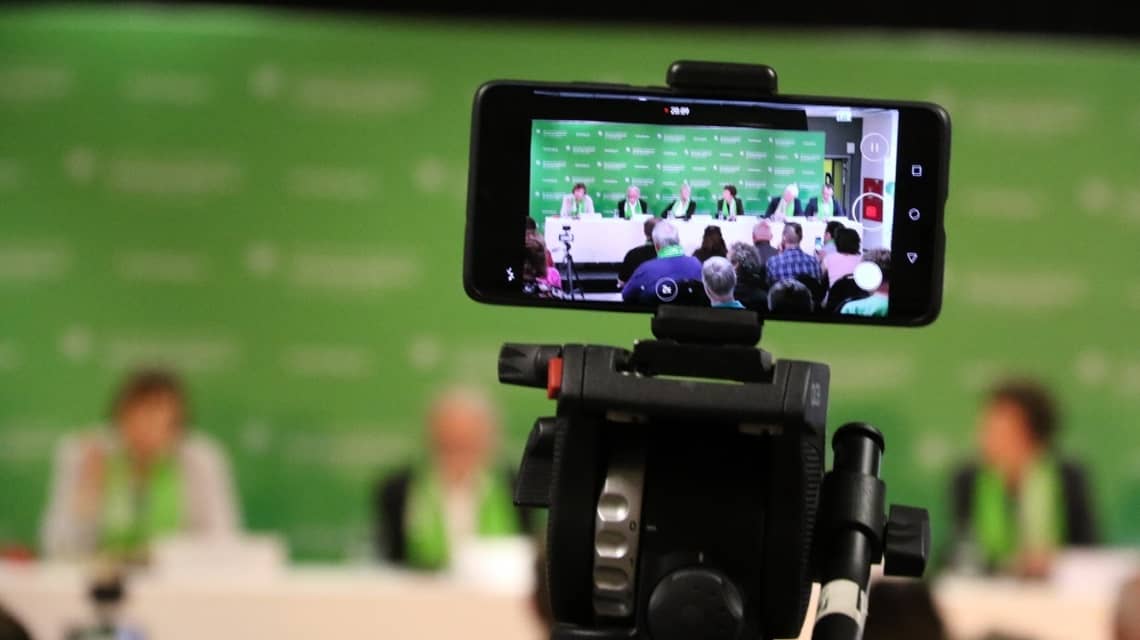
(146, 477)
(762, 238)
(792, 261)
(876, 304)
(1020, 503)
(751, 279)
(719, 278)
(1127, 622)
(729, 206)
(657, 280)
(633, 205)
(683, 207)
(786, 204)
(790, 296)
(639, 255)
(825, 206)
(577, 202)
(456, 495)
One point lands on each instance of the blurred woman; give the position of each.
(539, 277)
(845, 258)
(142, 478)
(711, 245)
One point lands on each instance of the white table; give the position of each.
(598, 239)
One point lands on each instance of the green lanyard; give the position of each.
(635, 209)
(577, 206)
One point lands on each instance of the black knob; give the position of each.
(906, 541)
(695, 603)
(525, 364)
(536, 473)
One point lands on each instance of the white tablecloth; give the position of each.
(597, 239)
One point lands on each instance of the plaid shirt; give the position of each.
(791, 263)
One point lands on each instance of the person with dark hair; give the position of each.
(902, 610)
(577, 202)
(826, 206)
(829, 233)
(712, 244)
(148, 476)
(638, 255)
(729, 206)
(876, 304)
(790, 296)
(1020, 502)
(792, 261)
(846, 256)
(532, 231)
(683, 207)
(751, 278)
(633, 204)
(538, 276)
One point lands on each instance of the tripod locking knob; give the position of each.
(525, 364)
(536, 473)
(906, 541)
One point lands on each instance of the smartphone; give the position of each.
(614, 197)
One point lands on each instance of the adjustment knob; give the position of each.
(536, 473)
(525, 364)
(906, 541)
(695, 603)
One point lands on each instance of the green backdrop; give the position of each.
(609, 157)
(275, 203)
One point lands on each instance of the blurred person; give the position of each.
(577, 202)
(633, 204)
(145, 477)
(10, 627)
(457, 494)
(829, 234)
(902, 610)
(790, 296)
(729, 206)
(1126, 622)
(786, 204)
(1020, 502)
(657, 279)
(751, 278)
(538, 276)
(792, 261)
(712, 244)
(719, 278)
(532, 230)
(845, 258)
(639, 254)
(825, 206)
(876, 304)
(762, 239)
(683, 207)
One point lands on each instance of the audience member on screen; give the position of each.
(786, 204)
(825, 206)
(1126, 622)
(633, 204)
(829, 234)
(682, 207)
(712, 244)
(751, 277)
(729, 206)
(719, 277)
(538, 277)
(147, 476)
(577, 202)
(11, 628)
(762, 239)
(455, 495)
(1021, 501)
(532, 230)
(792, 261)
(658, 279)
(638, 255)
(790, 296)
(845, 258)
(902, 610)
(876, 304)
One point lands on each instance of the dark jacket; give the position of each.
(837, 208)
(722, 209)
(633, 259)
(752, 289)
(766, 251)
(688, 213)
(775, 202)
(621, 207)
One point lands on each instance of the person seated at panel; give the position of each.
(845, 258)
(751, 277)
(577, 202)
(633, 204)
(825, 206)
(539, 279)
(762, 240)
(792, 261)
(719, 278)
(455, 495)
(532, 230)
(656, 280)
(116, 491)
(638, 255)
(1021, 502)
(786, 204)
(829, 232)
(790, 296)
(874, 305)
(683, 207)
(712, 244)
(729, 206)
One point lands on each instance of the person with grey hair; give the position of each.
(762, 240)
(633, 204)
(659, 279)
(786, 204)
(720, 283)
(1127, 623)
(751, 277)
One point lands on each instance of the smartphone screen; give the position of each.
(799, 208)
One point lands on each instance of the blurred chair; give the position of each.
(818, 289)
(843, 291)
